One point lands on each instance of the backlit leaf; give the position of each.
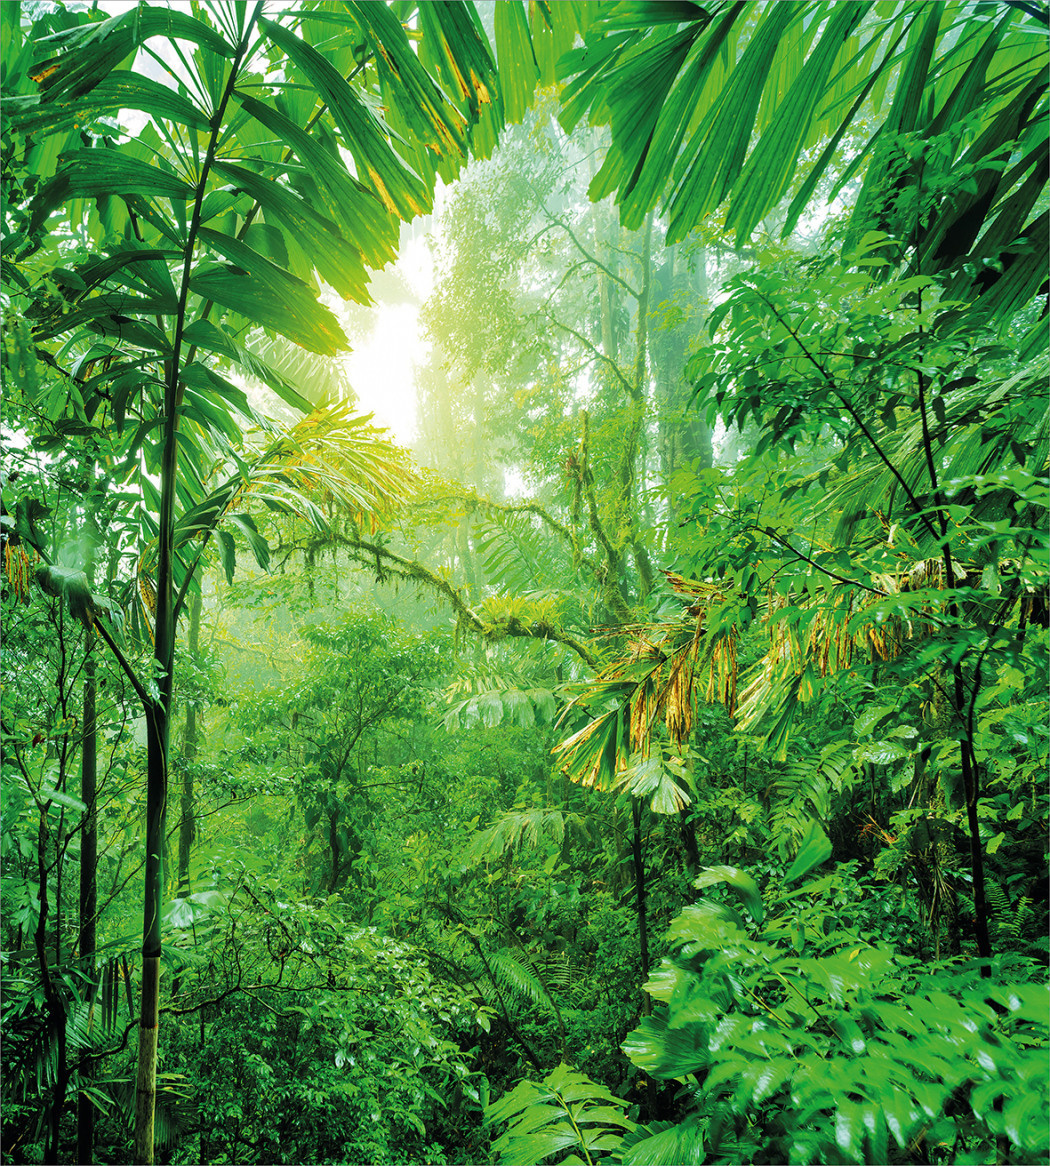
(814, 849)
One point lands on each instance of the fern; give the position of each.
(566, 1111)
(513, 972)
(521, 828)
(561, 972)
(176, 1111)
(1008, 920)
(808, 787)
(90, 1024)
(512, 555)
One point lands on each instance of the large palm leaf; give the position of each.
(738, 105)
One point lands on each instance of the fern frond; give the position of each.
(1008, 919)
(521, 828)
(808, 786)
(565, 1111)
(511, 972)
(512, 555)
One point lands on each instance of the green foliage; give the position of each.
(729, 106)
(808, 1040)
(389, 919)
(566, 1111)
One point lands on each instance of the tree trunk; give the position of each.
(53, 1003)
(639, 900)
(149, 1014)
(158, 707)
(189, 758)
(88, 887)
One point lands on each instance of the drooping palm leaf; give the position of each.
(724, 103)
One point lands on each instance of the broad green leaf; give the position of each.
(874, 1122)
(212, 418)
(711, 162)
(227, 553)
(814, 849)
(650, 178)
(204, 334)
(260, 547)
(60, 798)
(338, 262)
(206, 380)
(681, 1145)
(849, 1130)
(95, 173)
(770, 1078)
(108, 313)
(518, 71)
(401, 191)
(740, 882)
(88, 54)
(650, 779)
(117, 92)
(147, 265)
(437, 125)
(590, 755)
(868, 719)
(638, 88)
(71, 586)
(365, 222)
(707, 925)
(771, 166)
(663, 1051)
(532, 1148)
(454, 49)
(267, 295)
(881, 752)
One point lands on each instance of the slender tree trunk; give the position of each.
(334, 850)
(158, 727)
(189, 757)
(88, 887)
(607, 289)
(54, 1005)
(634, 454)
(149, 1005)
(158, 708)
(639, 899)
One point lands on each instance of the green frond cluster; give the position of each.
(566, 1111)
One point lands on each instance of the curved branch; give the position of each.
(596, 353)
(552, 218)
(381, 559)
(511, 508)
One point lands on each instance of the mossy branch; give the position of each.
(387, 562)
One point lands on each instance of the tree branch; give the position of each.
(847, 404)
(768, 530)
(555, 220)
(378, 557)
(595, 352)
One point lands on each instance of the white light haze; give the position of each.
(381, 369)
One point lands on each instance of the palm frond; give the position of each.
(667, 669)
